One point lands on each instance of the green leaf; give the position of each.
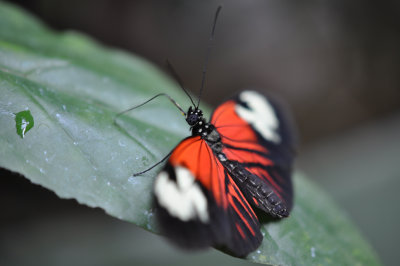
(73, 88)
(316, 233)
(23, 122)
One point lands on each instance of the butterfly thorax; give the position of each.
(200, 127)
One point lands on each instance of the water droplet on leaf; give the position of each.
(132, 180)
(121, 143)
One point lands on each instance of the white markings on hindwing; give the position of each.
(182, 199)
(260, 114)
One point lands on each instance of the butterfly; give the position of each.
(216, 180)
(207, 193)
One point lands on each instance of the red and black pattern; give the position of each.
(265, 159)
(206, 193)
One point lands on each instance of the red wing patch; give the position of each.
(194, 154)
(231, 224)
(260, 157)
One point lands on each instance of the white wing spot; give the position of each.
(260, 115)
(182, 199)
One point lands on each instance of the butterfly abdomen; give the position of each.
(256, 191)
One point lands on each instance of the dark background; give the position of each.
(335, 62)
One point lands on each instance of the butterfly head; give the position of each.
(193, 116)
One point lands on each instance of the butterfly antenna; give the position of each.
(149, 100)
(179, 80)
(203, 79)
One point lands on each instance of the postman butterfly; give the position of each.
(213, 182)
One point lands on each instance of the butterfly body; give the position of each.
(239, 161)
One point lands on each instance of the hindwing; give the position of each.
(257, 135)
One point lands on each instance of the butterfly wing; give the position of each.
(200, 205)
(257, 136)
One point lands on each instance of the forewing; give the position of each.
(199, 204)
(256, 134)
